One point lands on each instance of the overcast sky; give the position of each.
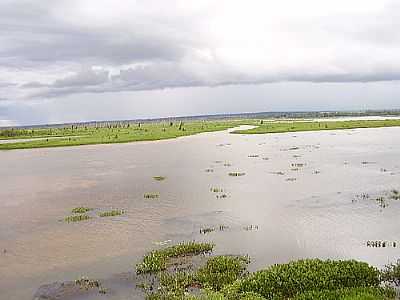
(77, 60)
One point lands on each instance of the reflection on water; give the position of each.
(295, 200)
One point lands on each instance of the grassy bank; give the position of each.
(76, 135)
(172, 273)
(295, 126)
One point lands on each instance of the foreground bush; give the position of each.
(368, 293)
(221, 270)
(289, 280)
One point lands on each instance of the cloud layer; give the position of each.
(50, 49)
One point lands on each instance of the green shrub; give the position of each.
(368, 293)
(157, 260)
(288, 280)
(220, 271)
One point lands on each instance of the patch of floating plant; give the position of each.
(265, 158)
(381, 244)
(112, 213)
(236, 174)
(81, 210)
(298, 165)
(153, 195)
(87, 284)
(294, 169)
(216, 190)
(220, 228)
(278, 173)
(77, 218)
(381, 200)
(291, 179)
(316, 172)
(368, 162)
(253, 155)
(394, 194)
(296, 156)
(209, 170)
(159, 178)
(222, 196)
(251, 228)
(227, 165)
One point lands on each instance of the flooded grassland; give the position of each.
(276, 197)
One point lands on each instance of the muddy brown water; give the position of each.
(306, 212)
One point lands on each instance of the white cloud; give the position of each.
(54, 48)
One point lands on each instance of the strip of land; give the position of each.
(75, 135)
(296, 126)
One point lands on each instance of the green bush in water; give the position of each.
(366, 293)
(288, 280)
(157, 260)
(220, 271)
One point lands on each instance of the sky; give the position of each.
(81, 60)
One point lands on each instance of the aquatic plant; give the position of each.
(112, 213)
(363, 293)
(391, 274)
(394, 194)
(206, 230)
(157, 260)
(81, 210)
(236, 174)
(222, 196)
(216, 190)
(220, 271)
(151, 195)
(209, 170)
(159, 178)
(253, 155)
(77, 218)
(288, 280)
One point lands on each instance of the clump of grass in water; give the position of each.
(207, 230)
(395, 194)
(236, 174)
(216, 190)
(220, 271)
(157, 260)
(151, 195)
(159, 178)
(86, 283)
(77, 218)
(81, 210)
(112, 213)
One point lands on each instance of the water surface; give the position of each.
(297, 199)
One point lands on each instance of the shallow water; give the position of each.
(307, 212)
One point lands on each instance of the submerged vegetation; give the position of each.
(159, 178)
(236, 174)
(81, 210)
(112, 213)
(153, 195)
(158, 260)
(77, 218)
(226, 278)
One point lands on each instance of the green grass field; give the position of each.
(129, 132)
(115, 133)
(295, 126)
